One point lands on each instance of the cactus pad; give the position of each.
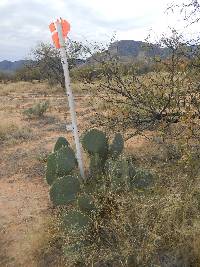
(117, 168)
(96, 164)
(51, 168)
(118, 172)
(143, 179)
(64, 190)
(86, 204)
(72, 249)
(131, 261)
(117, 145)
(66, 161)
(61, 142)
(76, 220)
(131, 170)
(95, 141)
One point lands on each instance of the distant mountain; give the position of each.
(126, 50)
(130, 49)
(9, 66)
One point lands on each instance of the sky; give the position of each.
(24, 23)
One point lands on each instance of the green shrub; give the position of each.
(89, 206)
(38, 110)
(64, 190)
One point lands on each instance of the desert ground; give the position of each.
(24, 145)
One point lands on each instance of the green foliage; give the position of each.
(6, 77)
(95, 200)
(117, 145)
(118, 173)
(76, 220)
(131, 261)
(29, 73)
(161, 96)
(51, 168)
(37, 110)
(61, 142)
(86, 73)
(64, 190)
(131, 170)
(142, 180)
(86, 203)
(60, 163)
(66, 161)
(47, 61)
(96, 164)
(95, 141)
(74, 249)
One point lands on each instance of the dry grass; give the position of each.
(22, 87)
(163, 223)
(12, 130)
(43, 244)
(150, 228)
(24, 221)
(38, 88)
(158, 227)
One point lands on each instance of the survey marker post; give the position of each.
(59, 31)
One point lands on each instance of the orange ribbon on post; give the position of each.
(65, 30)
(59, 31)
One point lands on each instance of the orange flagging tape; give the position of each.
(65, 31)
(52, 27)
(56, 40)
(65, 27)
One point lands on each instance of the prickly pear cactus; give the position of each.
(61, 142)
(131, 261)
(117, 145)
(71, 250)
(51, 169)
(91, 185)
(96, 164)
(64, 190)
(95, 142)
(118, 172)
(131, 170)
(143, 179)
(76, 220)
(66, 161)
(86, 204)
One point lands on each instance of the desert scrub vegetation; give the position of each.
(27, 87)
(134, 212)
(139, 102)
(11, 131)
(45, 63)
(37, 110)
(123, 214)
(90, 206)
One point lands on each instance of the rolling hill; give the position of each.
(125, 49)
(9, 66)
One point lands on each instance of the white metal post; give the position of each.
(70, 97)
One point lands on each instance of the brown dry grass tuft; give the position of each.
(38, 88)
(158, 227)
(28, 87)
(10, 129)
(43, 245)
(154, 226)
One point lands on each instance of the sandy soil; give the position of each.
(24, 202)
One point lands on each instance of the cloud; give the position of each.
(24, 23)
